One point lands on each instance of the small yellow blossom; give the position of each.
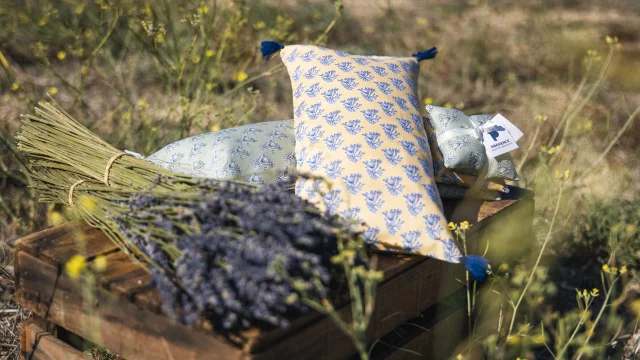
(630, 229)
(61, 55)
(15, 86)
(460, 105)
(422, 21)
(611, 39)
(513, 340)
(428, 101)
(465, 225)
(635, 307)
(259, 25)
(75, 266)
(543, 148)
(214, 128)
(614, 270)
(589, 124)
(538, 338)
(88, 203)
(52, 90)
(42, 22)
(209, 86)
(240, 76)
(503, 267)
(448, 105)
(100, 263)
(55, 218)
(623, 269)
(126, 115)
(160, 38)
(208, 53)
(595, 292)
(452, 226)
(195, 59)
(605, 268)
(541, 118)
(203, 9)
(79, 9)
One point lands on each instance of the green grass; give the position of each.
(143, 77)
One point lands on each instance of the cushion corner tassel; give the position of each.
(268, 48)
(426, 55)
(476, 265)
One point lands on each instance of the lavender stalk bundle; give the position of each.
(235, 246)
(225, 251)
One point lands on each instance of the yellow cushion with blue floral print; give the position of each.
(358, 127)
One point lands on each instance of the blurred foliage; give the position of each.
(145, 73)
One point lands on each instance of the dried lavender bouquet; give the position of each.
(235, 254)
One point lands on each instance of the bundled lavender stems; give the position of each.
(237, 256)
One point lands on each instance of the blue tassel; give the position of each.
(268, 48)
(427, 54)
(477, 266)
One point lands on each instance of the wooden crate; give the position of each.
(124, 315)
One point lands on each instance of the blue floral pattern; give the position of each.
(358, 126)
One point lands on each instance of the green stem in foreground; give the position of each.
(535, 267)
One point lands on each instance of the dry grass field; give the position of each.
(566, 72)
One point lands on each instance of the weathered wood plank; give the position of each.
(37, 344)
(58, 244)
(114, 323)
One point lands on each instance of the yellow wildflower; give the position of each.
(42, 22)
(214, 128)
(79, 9)
(203, 9)
(452, 226)
(595, 292)
(160, 38)
(611, 39)
(538, 338)
(259, 25)
(623, 269)
(513, 340)
(428, 101)
(240, 76)
(635, 307)
(589, 125)
(422, 21)
(543, 148)
(605, 268)
(208, 53)
(209, 86)
(88, 203)
(100, 263)
(15, 86)
(52, 90)
(503, 267)
(465, 225)
(75, 266)
(448, 105)
(541, 118)
(460, 105)
(195, 59)
(630, 229)
(61, 55)
(55, 218)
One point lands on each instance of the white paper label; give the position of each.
(498, 141)
(516, 134)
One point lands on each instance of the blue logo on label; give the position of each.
(494, 132)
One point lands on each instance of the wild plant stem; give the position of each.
(535, 267)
